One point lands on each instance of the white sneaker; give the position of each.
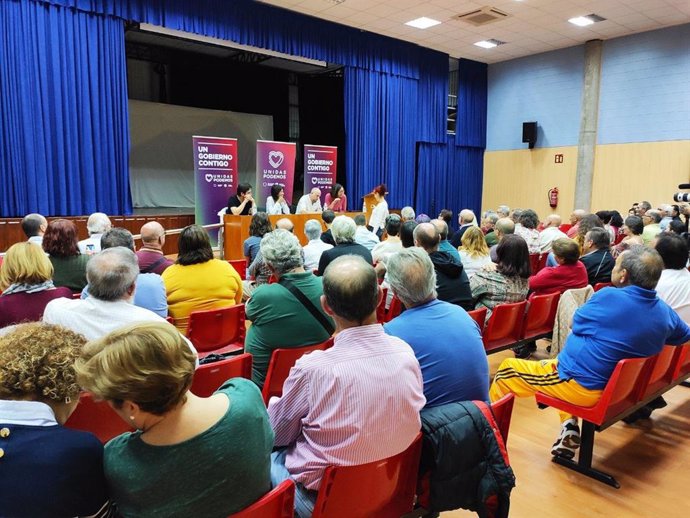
(569, 440)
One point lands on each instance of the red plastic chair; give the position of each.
(661, 369)
(565, 227)
(98, 418)
(479, 316)
(681, 362)
(600, 285)
(381, 308)
(503, 411)
(381, 489)
(540, 316)
(217, 330)
(394, 309)
(621, 393)
(241, 266)
(76, 296)
(504, 326)
(278, 503)
(542, 262)
(534, 263)
(282, 360)
(209, 377)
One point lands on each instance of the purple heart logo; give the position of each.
(208, 177)
(275, 158)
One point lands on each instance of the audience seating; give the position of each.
(534, 263)
(209, 377)
(503, 411)
(479, 316)
(565, 227)
(241, 266)
(634, 383)
(540, 316)
(98, 418)
(278, 503)
(600, 285)
(381, 308)
(217, 331)
(542, 261)
(282, 360)
(504, 327)
(381, 489)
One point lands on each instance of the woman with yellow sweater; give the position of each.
(197, 281)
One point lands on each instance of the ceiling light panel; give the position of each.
(423, 23)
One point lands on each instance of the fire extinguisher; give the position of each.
(553, 197)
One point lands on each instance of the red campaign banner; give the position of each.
(275, 163)
(320, 167)
(216, 178)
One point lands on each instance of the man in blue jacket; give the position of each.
(628, 322)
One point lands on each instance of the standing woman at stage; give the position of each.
(275, 203)
(377, 221)
(336, 199)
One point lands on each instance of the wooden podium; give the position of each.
(236, 230)
(369, 202)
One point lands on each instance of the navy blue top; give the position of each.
(450, 351)
(50, 471)
(615, 324)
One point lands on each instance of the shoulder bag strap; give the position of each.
(308, 305)
(154, 265)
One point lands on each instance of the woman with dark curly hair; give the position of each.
(258, 228)
(336, 200)
(632, 229)
(275, 203)
(197, 281)
(527, 230)
(60, 242)
(47, 470)
(26, 281)
(190, 456)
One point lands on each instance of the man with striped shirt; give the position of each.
(354, 403)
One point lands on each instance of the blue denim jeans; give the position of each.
(304, 498)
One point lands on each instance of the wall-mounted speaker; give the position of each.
(529, 133)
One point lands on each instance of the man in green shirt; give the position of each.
(279, 319)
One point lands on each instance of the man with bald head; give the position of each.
(34, 226)
(452, 283)
(444, 245)
(150, 255)
(627, 322)
(310, 203)
(550, 233)
(504, 227)
(575, 219)
(466, 219)
(331, 413)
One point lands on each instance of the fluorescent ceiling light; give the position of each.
(489, 44)
(584, 21)
(422, 23)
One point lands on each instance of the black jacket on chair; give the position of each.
(599, 265)
(467, 459)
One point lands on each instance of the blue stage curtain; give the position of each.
(432, 122)
(472, 99)
(64, 137)
(448, 177)
(381, 115)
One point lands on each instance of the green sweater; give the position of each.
(280, 321)
(215, 474)
(70, 272)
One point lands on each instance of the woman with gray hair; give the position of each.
(287, 313)
(343, 230)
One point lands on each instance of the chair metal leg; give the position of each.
(584, 460)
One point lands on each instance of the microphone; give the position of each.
(684, 186)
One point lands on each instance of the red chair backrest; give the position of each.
(479, 316)
(662, 368)
(215, 328)
(97, 418)
(534, 263)
(540, 315)
(600, 285)
(394, 309)
(381, 308)
(381, 489)
(209, 377)
(504, 326)
(278, 503)
(282, 360)
(542, 262)
(241, 266)
(565, 227)
(681, 362)
(624, 387)
(503, 410)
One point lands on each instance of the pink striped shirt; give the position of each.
(354, 403)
